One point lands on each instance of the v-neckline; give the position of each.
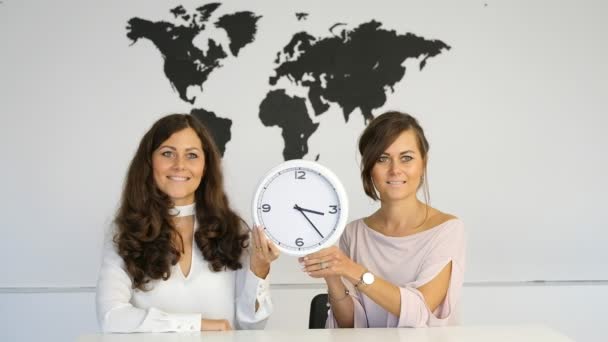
(179, 266)
(192, 244)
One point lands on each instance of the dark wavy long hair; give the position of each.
(146, 238)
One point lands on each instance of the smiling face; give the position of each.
(398, 171)
(178, 165)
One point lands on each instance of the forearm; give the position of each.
(130, 319)
(253, 304)
(385, 294)
(215, 325)
(115, 310)
(341, 302)
(260, 271)
(382, 292)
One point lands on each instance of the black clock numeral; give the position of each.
(299, 174)
(266, 208)
(299, 242)
(334, 209)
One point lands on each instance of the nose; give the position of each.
(179, 163)
(394, 168)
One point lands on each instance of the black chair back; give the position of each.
(318, 311)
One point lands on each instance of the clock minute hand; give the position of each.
(309, 221)
(297, 207)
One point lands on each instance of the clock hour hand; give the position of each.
(296, 207)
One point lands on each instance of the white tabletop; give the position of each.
(507, 333)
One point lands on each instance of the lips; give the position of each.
(395, 182)
(178, 178)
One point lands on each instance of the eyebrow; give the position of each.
(402, 153)
(174, 149)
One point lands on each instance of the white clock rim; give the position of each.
(331, 177)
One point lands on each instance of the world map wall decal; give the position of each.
(352, 68)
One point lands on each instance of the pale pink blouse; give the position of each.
(408, 262)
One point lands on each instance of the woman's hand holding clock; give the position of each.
(263, 252)
(331, 262)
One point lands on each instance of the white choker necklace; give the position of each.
(183, 210)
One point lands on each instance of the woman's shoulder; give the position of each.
(352, 228)
(354, 225)
(446, 227)
(356, 222)
(437, 218)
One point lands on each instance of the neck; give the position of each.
(184, 225)
(183, 218)
(183, 210)
(402, 217)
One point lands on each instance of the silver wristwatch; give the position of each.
(367, 278)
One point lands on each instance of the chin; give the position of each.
(394, 196)
(180, 197)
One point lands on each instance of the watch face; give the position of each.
(368, 278)
(302, 206)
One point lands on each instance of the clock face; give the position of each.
(302, 206)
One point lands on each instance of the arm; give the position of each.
(115, 313)
(254, 305)
(343, 298)
(388, 295)
(412, 304)
(384, 293)
(341, 302)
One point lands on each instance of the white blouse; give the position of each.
(180, 302)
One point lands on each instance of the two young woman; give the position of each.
(181, 259)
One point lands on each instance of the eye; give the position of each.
(167, 154)
(191, 155)
(406, 158)
(382, 159)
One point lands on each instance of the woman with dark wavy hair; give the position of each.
(402, 266)
(180, 259)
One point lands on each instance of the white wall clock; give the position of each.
(302, 206)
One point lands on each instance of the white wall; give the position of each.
(573, 310)
(515, 112)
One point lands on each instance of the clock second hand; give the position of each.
(296, 207)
